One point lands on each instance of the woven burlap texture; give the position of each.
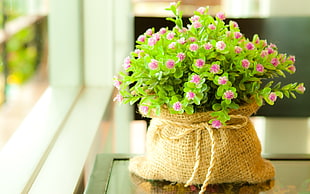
(184, 148)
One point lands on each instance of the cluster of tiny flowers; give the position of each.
(196, 79)
(206, 63)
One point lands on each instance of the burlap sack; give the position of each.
(186, 149)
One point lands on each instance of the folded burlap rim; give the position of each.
(198, 117)
(192, 123)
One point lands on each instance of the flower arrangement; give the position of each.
(207, 66)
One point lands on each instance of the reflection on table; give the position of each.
(111, 175)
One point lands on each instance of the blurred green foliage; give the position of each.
(21, 56)
(21, 49)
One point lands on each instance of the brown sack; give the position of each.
(186, 149)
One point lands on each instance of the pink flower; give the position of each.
(220, 45)
(153, 64)
(273, 46)
(127, 63)
(272, 96)
(264, 53)
(238, 49)
(300, 88)
(260, 68)
(292, 58)
(162, 31)
(126, 66)
(192, 39)
(193, 47)
(270, 50)
(170, 35)
(144, 109)
(172, 45)
(215, 68)
(170, 64)
(221, 16)
(264, 43)
(222, 80)
(190, 95)
(196, 79)
(245, 63)
(195, 18)
(211, 26)
(257, 40)
(250, 46)
(201, 10)
(216, 124)
(197, 24)
(292, 68)
(237, 35)
(200, 63)
(282, 58)
(149, 32)
(183, 30)
(152, 41)
(117, 83)
(118, 98)
(156, 36)
(193, 187)
(181, 56)
(208, 46)
(141, 38)
(177, 106)
(229, 95)
(127, 60)
(275, 62)
(138, 52)
(235, 24)
(181, 41)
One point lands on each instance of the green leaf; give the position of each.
(233, 105)
(266, 91)
(140, 90)
(178, 73)
(269, 84)
(134, 100)
(196, 100)
(258, 100)
(189, 109)
(171, 19)
(277, 86)
(220, 90)
(268, 100)
(216, 107)
(280, 72)
(293, 95)
(279, 94)
(242, 86)
(286, 93)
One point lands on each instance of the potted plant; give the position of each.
(200, 84)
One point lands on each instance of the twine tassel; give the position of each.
(198, 143)
(212, 162)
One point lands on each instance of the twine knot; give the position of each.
(197, 128)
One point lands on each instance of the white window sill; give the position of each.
(48, 151)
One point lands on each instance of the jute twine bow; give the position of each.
(198, 127)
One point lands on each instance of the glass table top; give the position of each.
(111, 175)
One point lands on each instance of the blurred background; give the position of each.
(23, 60)
(24, 46)
(103, 33)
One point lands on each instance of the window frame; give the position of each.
(58, 135)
